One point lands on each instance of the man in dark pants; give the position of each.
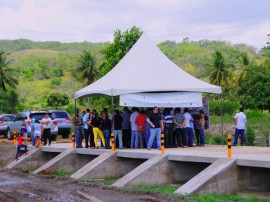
(126, 128)
(46, 123)
(168, 129)
(179, 121)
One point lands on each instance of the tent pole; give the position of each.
(112, 103)
(88, 102)
(74, 111)
(222, 119)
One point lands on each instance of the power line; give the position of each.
(215, 22)
(209, 30)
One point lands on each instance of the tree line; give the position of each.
(242, 73)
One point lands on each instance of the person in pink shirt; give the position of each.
(140, 121)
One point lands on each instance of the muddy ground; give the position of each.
(20, 186)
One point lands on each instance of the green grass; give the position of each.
(108, 181)
(223, 198)
(167, 189)
(257, 120)
(57, 173)
(61, 173)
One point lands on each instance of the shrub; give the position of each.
(250, 136)
(254, 114)
(58, 71)
(57, 100)
(56, 81)
(217, 139)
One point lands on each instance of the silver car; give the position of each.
(64, 122)
(15, 125)
(4, 120)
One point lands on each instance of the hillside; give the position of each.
(46, 67)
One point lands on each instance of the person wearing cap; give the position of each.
(156, 127)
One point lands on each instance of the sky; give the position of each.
(235, 21)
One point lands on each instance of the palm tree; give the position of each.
(86, 68)
(219, 73)
(244, 64)
(7, 74)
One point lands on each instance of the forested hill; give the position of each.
(50, 67)
(10, 46)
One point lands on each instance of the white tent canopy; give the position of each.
(146, 69)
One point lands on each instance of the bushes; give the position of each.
(213, 139)
(250, 136)
(229, 107)
(254, 114)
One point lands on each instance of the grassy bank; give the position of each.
(257, 121)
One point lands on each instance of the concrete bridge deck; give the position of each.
(198, 169)
(210, 151)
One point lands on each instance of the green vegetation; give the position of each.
(108, 181)
(209, 197)
(257, 128)
(168, 189)
(55, 173)
(57, 100)
(7, 74)
(45, 68)
(223, 198)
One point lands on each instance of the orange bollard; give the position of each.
(229, 146)
(162, 144)
(14, 138)
(112, 141)
(73, 140)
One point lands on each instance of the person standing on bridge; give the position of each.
(156, 127)
(240, 120)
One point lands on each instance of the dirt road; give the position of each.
(19, 186)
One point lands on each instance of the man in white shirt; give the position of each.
(240, 120)
(46, 123)
(86, 128)
(187, 129)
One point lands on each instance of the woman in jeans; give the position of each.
(106, 127)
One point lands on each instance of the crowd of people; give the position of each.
(139, 128)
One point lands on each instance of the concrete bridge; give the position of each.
(198, 169)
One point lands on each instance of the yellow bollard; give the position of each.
(162, 144)
(112, 141)
(73, 140)
(14, 138)
(229, 146)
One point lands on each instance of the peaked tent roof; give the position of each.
(146, 69)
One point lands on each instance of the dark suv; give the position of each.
(15, 125)
(64, 122)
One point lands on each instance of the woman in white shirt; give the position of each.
(38, 128)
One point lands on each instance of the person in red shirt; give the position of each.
(140, 121)
(21, 145)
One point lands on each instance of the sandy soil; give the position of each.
(19, 186)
